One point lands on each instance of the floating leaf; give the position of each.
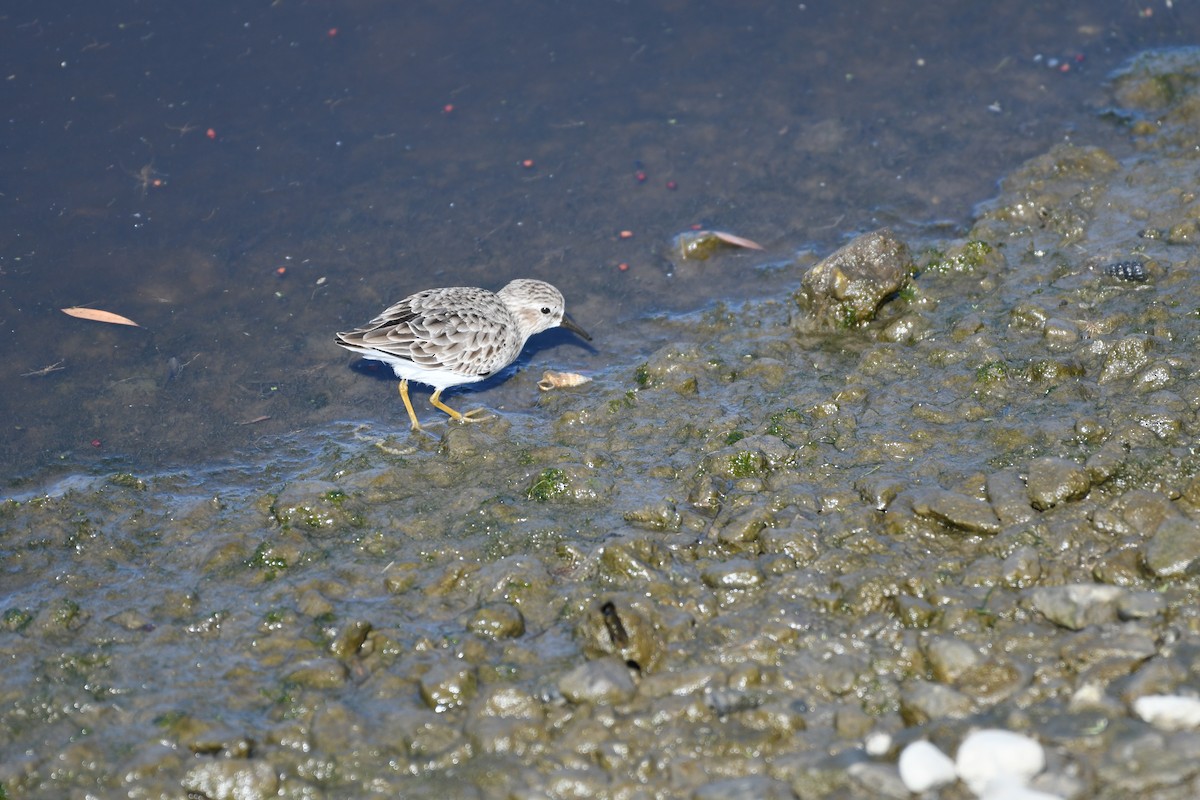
(736, 241)
(96, 315)
(699, 245)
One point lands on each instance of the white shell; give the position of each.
(561, 380)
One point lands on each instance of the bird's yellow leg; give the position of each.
(436, 400)
(416, 426)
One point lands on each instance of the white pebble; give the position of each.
(877, 743)
(1170, 712)
(987, 755)
(1012, 789)
(924, 767)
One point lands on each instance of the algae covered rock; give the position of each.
(849, 286)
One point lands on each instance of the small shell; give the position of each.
(1128, 271)
(561, 380)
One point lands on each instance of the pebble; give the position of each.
(1174, 547)
(991, 755)
(737, 573)
(448, 685)
(1005, 789)
(923, 702)
(232, 779)
(1169, 712)
(957, 510)
(949, 658)
(1055, 480)
(605, 681)
(753, 787)
(924, 767)
(1009, 498)
(1078, 605)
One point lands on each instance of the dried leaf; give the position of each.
(736, 241)
(96, 315)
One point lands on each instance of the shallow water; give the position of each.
(370, 151)
(779, 528)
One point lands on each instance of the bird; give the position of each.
(457, 335)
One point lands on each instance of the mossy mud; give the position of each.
(713, 572)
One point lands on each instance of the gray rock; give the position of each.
(448, 684)
(1008, 496)
(319, 673)
(625, 627)
(606, 681)
(752, 787)
(1078, 605)
(1022, 567)
(922, 702)
(1055, 480)
(232, 779)
(737, 573)
(950, 658)
(1174, 548)
(497, 621)
(316, 506)
(847, 287)
(957, 510)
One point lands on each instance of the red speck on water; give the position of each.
(623, 267)
(641, 176)
(672, 185)
(448, 108)
(332, 32)
(95, 442)
(211, 133)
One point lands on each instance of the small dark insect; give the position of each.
(612, 621)
(1128, 271)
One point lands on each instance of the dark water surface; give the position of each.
(244, 179)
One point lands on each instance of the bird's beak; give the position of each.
(570, 325)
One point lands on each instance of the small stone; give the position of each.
(990, 755)
(949, 658)
(1004, 789)
(1078, 605)
(1140, 605)
(880, 781)
(743, 527)
(849, 286)
(924, 767)
(751, 787)
(957, 510)
(497, 621)
(605, 681)
(232, 779)
(737, 573)
(319, 673)
(1174, 547)
(1009, 498)
(1169, 712)
(1021, 568)
(448, 685)
(922, 702)
(1055, 480)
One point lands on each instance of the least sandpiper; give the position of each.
(456, 335)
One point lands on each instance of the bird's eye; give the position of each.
(545, 310)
